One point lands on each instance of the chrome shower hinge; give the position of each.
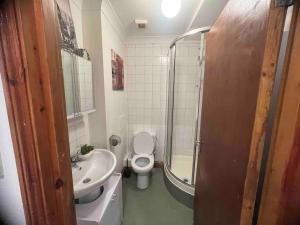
(283, 3)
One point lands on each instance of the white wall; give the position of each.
(76, 10)
(11, 206)
(146, 60)
(115, 101)
(92, 41)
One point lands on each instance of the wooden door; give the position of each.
(30, 69)
(241, 55)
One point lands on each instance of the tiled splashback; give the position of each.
(146, 84)
(78, 134)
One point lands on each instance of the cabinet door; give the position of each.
(86, 89)
(69, 82)
(114, 212)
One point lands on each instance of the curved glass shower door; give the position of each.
(185, 87)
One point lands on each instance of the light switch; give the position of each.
(1, 169)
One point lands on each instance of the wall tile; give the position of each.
(139, 51)
(147, 98)
(146, 62)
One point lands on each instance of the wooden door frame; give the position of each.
(275, 29)
(31, 72)
(280, 201)
(30, 67)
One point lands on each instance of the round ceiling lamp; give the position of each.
(170, 8)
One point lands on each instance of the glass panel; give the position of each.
(68, 73)
(186, 97)
(200, 83)
(185, 88)
(170, 94)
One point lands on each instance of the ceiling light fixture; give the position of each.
(170, 8)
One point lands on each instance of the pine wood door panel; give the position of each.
(280, 202)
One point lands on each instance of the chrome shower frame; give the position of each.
(176, 181)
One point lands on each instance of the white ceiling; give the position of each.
(193, 13)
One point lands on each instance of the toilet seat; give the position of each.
(143, 143)
(142, 163)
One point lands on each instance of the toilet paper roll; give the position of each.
(115, 143)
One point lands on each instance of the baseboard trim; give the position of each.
(158, 164)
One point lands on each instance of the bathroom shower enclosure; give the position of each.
(184, 103)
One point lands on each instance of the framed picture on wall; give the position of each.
(67, 28)
(117, 67)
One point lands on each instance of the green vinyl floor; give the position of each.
(153, 206)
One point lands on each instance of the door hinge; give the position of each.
(283, 3)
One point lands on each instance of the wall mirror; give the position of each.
(78, 84)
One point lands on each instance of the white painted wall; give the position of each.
(115, 101)
(76, 8)
(92, 41)
(11, 206)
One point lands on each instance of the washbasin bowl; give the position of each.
(90, 174)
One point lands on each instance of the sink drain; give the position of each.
(87, 180)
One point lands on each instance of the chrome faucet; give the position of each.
(74, 160)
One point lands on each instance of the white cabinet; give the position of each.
(107, 209)
(113, 213)
(85, 76)
(69, 73)
(78, 84)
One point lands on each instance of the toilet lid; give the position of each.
(143, 143)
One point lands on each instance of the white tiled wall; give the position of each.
(146, 83)
(78, 134)
(147, 66)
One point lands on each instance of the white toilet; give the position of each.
(143, 158)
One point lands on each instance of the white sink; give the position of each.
(90, 174)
